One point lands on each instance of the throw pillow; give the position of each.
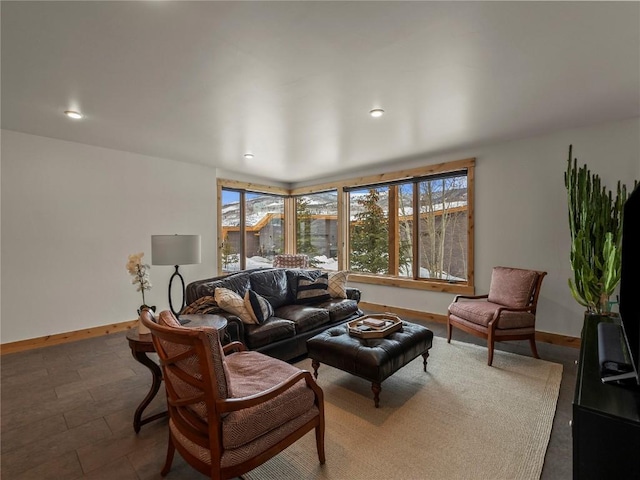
(258, 307)
(231, 302)
(203, 305)
(338, 284)
(312, 291)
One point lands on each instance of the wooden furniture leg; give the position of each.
(156, 374)
(376, 388)
(425, 355)
(315, 364)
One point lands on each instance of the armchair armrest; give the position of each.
(235, 404)
(496, 316)
(470, 297)
(233, 347)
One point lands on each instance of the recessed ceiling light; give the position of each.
(376, 112)
(73, 114)
(248, 155)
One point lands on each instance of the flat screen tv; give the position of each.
(630, 277)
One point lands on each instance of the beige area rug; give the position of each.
(460, 420)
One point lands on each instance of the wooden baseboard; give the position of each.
(557, 339)
(404, 312)
(547, 337)
(59, 338)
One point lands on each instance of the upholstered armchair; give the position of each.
(230, 410)
(290, 260)
(508, 312)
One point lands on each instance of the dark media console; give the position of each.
(606, 417)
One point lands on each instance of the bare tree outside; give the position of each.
(442, 227)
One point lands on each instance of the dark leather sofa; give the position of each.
(284, 335)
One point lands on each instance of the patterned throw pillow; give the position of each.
(203, 305)
(338, 284)
(233, 303)
(258, 307)
(312, 291)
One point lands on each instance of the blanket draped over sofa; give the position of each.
(296, 316)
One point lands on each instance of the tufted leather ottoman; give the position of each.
(371, 359)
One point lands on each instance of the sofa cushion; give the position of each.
(305, 317)
(339, 309)
(258, 307)
(272, 285)
(312, 290)
(292, 280)
(272, 330)
(233, 303)
(237, 282)
(512, 287)
(338, 284)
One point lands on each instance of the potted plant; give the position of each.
(595, 223)
(140, 273)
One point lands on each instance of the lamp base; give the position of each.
(182, 302)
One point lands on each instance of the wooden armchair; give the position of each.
(291, 260)
(508, 313)
(230, 412)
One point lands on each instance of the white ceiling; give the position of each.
(293, 82)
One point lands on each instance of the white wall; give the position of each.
(72, 213)
(521, 213)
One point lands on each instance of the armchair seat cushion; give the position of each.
(481, 313)
(252, 373)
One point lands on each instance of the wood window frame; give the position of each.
(467, 164)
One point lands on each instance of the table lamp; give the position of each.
(175, 250)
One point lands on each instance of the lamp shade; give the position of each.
(175, 249)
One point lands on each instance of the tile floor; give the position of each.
(67, 412)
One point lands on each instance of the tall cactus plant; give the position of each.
(595, 223)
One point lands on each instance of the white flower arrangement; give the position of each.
(140, 273)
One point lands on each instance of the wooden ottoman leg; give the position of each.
(315, 364)
(376, 388)
(425, 355)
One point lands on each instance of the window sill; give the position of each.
(398, 282)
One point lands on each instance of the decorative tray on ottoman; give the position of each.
(374, 326)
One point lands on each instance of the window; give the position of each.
(251, 229)
(232, 247)
(414, 228)
(369, 230)
(443, 228)
(264, 234)
(317, 228)
(409, 229)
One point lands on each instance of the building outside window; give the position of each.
(252, 229)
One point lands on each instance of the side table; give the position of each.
(142, 344)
